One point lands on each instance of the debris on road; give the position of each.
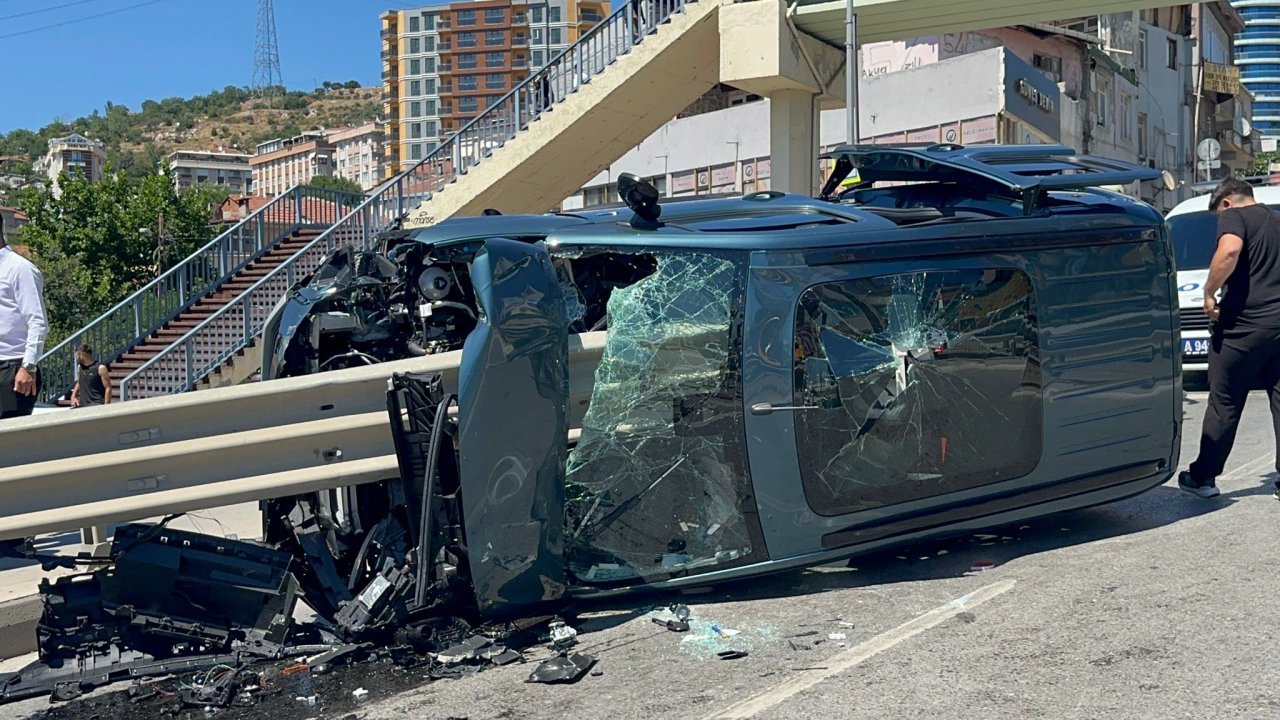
(674, 617)
(731, 654)
(563, 668)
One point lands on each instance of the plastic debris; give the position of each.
(562, 636)
(731, 654)
(982, 566)
(563, 669)
(295, 669)
(724, 632)
(360, 693)
(674, 617)
(470, 649)
(836, 636)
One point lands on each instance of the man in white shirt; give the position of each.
(22, 332)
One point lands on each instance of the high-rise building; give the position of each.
(442, 65)
(212, 167)
(1258, 57)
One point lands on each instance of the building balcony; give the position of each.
(444, 46)
(519, 19)
(444, 68)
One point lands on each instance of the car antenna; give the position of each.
(491, 211)
(642, 198)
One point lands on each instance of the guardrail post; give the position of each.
(137, 316)
(400, 195)
(297, 204)
(248, 316)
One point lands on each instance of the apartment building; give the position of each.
(442, 65)
(73, 154)
(284, 162)
(213, 167)
(359, 154)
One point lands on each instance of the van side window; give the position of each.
(920, 384)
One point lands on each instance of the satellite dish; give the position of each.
(1168, 180)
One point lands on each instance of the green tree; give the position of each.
(98, 242)
(330, 182)
(1262, 162)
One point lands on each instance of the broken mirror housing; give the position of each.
(966, 338)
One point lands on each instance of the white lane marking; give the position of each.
(861, 653)
(1252, 467)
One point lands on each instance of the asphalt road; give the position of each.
(1160, 606)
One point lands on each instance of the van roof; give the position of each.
(1267, 195)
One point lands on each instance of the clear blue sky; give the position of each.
(171, 48)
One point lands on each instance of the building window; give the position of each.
(494, 59)
(430, 85)
(537, 58)
(430, 107)
(415, 152)
(415, 88)
(430, 128)
(1142, 49)
(1172, 59)
(429, 21)
(1142, 136)
(537, 14)
(494, 16)
(415, 46)
(415, 109)
(553, 14)
(467, 60)
(415, 67)
(495, 81)
(1102, 99)
(466, 82)
(429, 43)
(429, 65)
(467, 104)
(970, 417)
(494, 37)
(536, 35)
(466, 17)
(415, 130)
(1049, 65)
(467, 39)
(553, 36)
(415, 23)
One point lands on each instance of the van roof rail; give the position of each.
(1028, 171)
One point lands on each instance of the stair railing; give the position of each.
(175, 290)
(233, 327)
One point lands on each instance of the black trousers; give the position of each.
(11, 403)
(1238, 362)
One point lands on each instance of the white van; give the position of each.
(1193, 230)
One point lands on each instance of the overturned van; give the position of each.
(970, 337)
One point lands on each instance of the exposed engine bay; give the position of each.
(362, 308)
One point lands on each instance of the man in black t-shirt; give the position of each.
(1244, 351)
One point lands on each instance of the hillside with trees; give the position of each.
(137, 140)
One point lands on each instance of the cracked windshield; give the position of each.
(658, 483)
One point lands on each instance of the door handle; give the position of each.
(765, 408)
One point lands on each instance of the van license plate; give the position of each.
(1195, 346)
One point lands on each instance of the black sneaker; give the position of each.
(1277, 492)
(1204, 489)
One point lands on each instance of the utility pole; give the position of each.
(267, 79)
(851, 71)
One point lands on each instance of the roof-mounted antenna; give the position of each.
(491, 211)
(642, 198)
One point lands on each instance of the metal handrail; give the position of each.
(182, 364)
(230, 329)
(175, 290)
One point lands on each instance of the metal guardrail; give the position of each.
(181, 286)
(181, 365)
(227, 445)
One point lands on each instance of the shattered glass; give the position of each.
(658, 482)
(915, 385)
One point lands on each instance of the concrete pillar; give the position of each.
(793, 142)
